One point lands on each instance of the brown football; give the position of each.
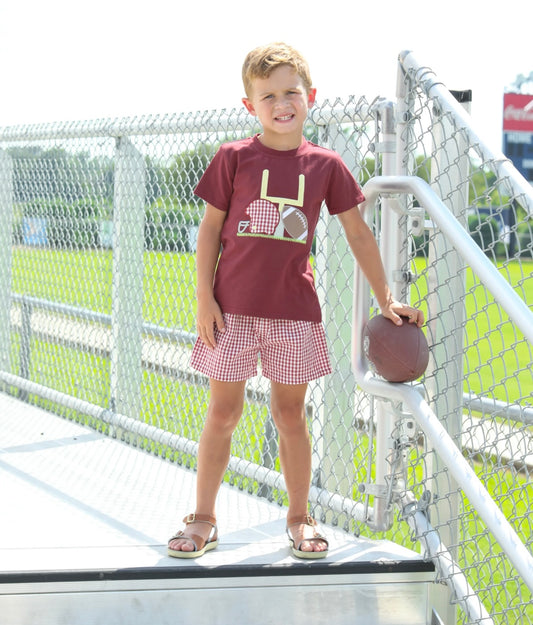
(295, 222)
(396, 353)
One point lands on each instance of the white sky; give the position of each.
(64, 60)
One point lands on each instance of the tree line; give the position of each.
(73, 194)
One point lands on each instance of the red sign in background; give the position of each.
(517, 112)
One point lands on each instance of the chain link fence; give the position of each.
(97, 311)
(480, 382)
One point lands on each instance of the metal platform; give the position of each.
(83, 532)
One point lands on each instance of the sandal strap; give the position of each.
(306, 519)
(196, 539)
(200, 518)
(204, 518)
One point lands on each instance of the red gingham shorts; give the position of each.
(291, 352)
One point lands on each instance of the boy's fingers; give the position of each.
(207, 332)
(219, 320)
(209, 338)
(416, 316)
(413, 315)
(396, 319)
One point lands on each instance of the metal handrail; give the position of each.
(410, 395)
(448, 104)
(169, 124)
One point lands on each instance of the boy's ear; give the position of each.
(311, 97)
(249, 106)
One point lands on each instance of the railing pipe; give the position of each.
(502, 291)
(170, 124)
(448, 570)
(409, 395)
(436, 90)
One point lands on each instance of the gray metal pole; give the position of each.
(390, 241)
(6, 230)
(333, 459)
(128, 253)
(446, 284)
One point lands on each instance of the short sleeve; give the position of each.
(216, 184)
(343, 192)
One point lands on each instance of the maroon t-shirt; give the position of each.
(272, 199)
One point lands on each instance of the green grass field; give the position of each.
(84, 279)
(498, 359)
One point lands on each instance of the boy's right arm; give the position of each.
(207, 252)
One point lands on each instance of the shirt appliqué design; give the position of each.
(276, 217)
(264, 217)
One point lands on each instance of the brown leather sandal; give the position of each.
(200, 545)
(307, 519)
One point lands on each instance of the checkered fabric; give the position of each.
(264, 217)
(291, 352)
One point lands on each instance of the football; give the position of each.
(396, 353)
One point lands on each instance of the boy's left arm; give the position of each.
(366, 252)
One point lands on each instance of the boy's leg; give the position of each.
(288, 413)
(223, 414)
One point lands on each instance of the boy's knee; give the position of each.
(289, 419)
(223, 415)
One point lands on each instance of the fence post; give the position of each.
(441, 316)
(26, 312)
(6, 247)
(393, 252)
(333, 466)
(128, 269)
(449, 176)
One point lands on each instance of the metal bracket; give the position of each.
(381, 147)
(417, 222)
(419, 505)
(374, 490)
(403, 277)
(407, 432)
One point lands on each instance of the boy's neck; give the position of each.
(281, 143)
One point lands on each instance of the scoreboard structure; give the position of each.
(518, 132)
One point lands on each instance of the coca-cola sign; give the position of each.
(517, 112)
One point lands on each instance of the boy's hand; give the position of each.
(394, 310)
(366, 251)
(209, 315)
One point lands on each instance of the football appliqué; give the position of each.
(295, 223)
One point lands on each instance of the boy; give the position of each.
(257, 296)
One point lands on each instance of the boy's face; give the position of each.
(281, 103)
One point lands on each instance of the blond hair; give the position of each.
(262, 61)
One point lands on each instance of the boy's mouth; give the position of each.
(284, 118)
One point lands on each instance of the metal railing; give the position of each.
(413, 403)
